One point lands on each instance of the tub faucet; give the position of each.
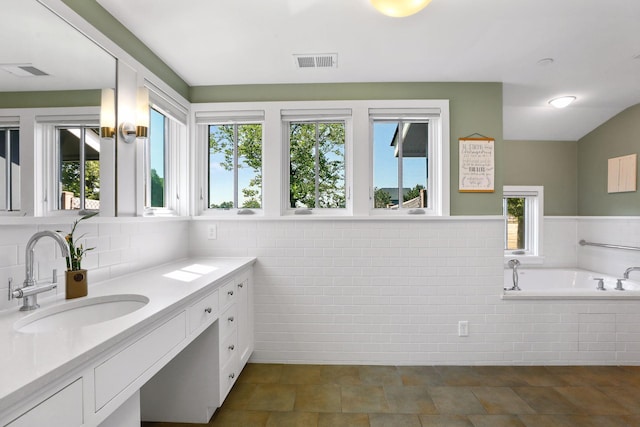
(514, 264)
(629, 270)
(29, 291)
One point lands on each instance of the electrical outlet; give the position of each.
(463, 328)
(212, 233)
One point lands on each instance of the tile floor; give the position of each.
(276, 395)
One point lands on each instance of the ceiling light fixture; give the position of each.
(562, 101)
(399, 8)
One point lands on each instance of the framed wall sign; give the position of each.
(477, 165)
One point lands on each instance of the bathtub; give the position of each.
(565, 283)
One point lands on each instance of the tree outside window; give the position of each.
(235, 166)
(317, 165)
(79, 173)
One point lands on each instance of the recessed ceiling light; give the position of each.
(545, 61)
(562, 101)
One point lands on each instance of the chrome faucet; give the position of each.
(514, 264)
(29, 291)
(629, 270)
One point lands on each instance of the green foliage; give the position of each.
(515, 209)
(413, 193)
(330, 165)
(157, 190)
(249, 156)
(382, 198)
(76, 252)
(70, 177)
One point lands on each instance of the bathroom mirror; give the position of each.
(44, 62)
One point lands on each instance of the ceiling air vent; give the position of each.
(22, 70)
(325, 60)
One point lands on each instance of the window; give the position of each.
(9, 169)
(235, 166)
(523, 212)
(317, 175)
(78, 168)
(156, 163)
(400, 164)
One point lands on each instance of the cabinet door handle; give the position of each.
(232, 347)
(230, 293)
(240, 285)
(232, 375)
(230, 319)
(208, 310)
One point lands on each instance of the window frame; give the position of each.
(358, 155)
(47, 127)
(434, 193)
(534, 222)
(8, 175)
(235, 122)
(176, 187)
(316, 117)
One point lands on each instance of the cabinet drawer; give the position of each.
(228, 375)
(204, 311)
(228, 348)
(62, 409)
(228, 322)
(227, 294)
(115, 374)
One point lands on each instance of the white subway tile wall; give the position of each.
(393, 292)
(120, 248)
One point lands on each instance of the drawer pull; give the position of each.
(240, 285)
(232, 347)
(232, 375)
(208, 310)
(230, 293)
(230, 319)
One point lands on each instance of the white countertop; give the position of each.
(31, 361)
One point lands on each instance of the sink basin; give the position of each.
(80, 313)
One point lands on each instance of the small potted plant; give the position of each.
(76, 276)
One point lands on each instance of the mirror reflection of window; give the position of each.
(157, 160)
(9, 169)
(400, 164)
(79, 170)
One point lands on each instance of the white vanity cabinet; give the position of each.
(64, 408)
(166, 365)
(195, 383)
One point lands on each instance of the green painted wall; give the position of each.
(618, 136)
(473, 107)
(102, 20)
(552, 164)
(43, 99)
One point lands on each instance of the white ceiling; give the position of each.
(33, 35)
(594, 45)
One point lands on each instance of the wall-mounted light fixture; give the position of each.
(128, 131)
(399, 8)
(562, 101)
(108, 114)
